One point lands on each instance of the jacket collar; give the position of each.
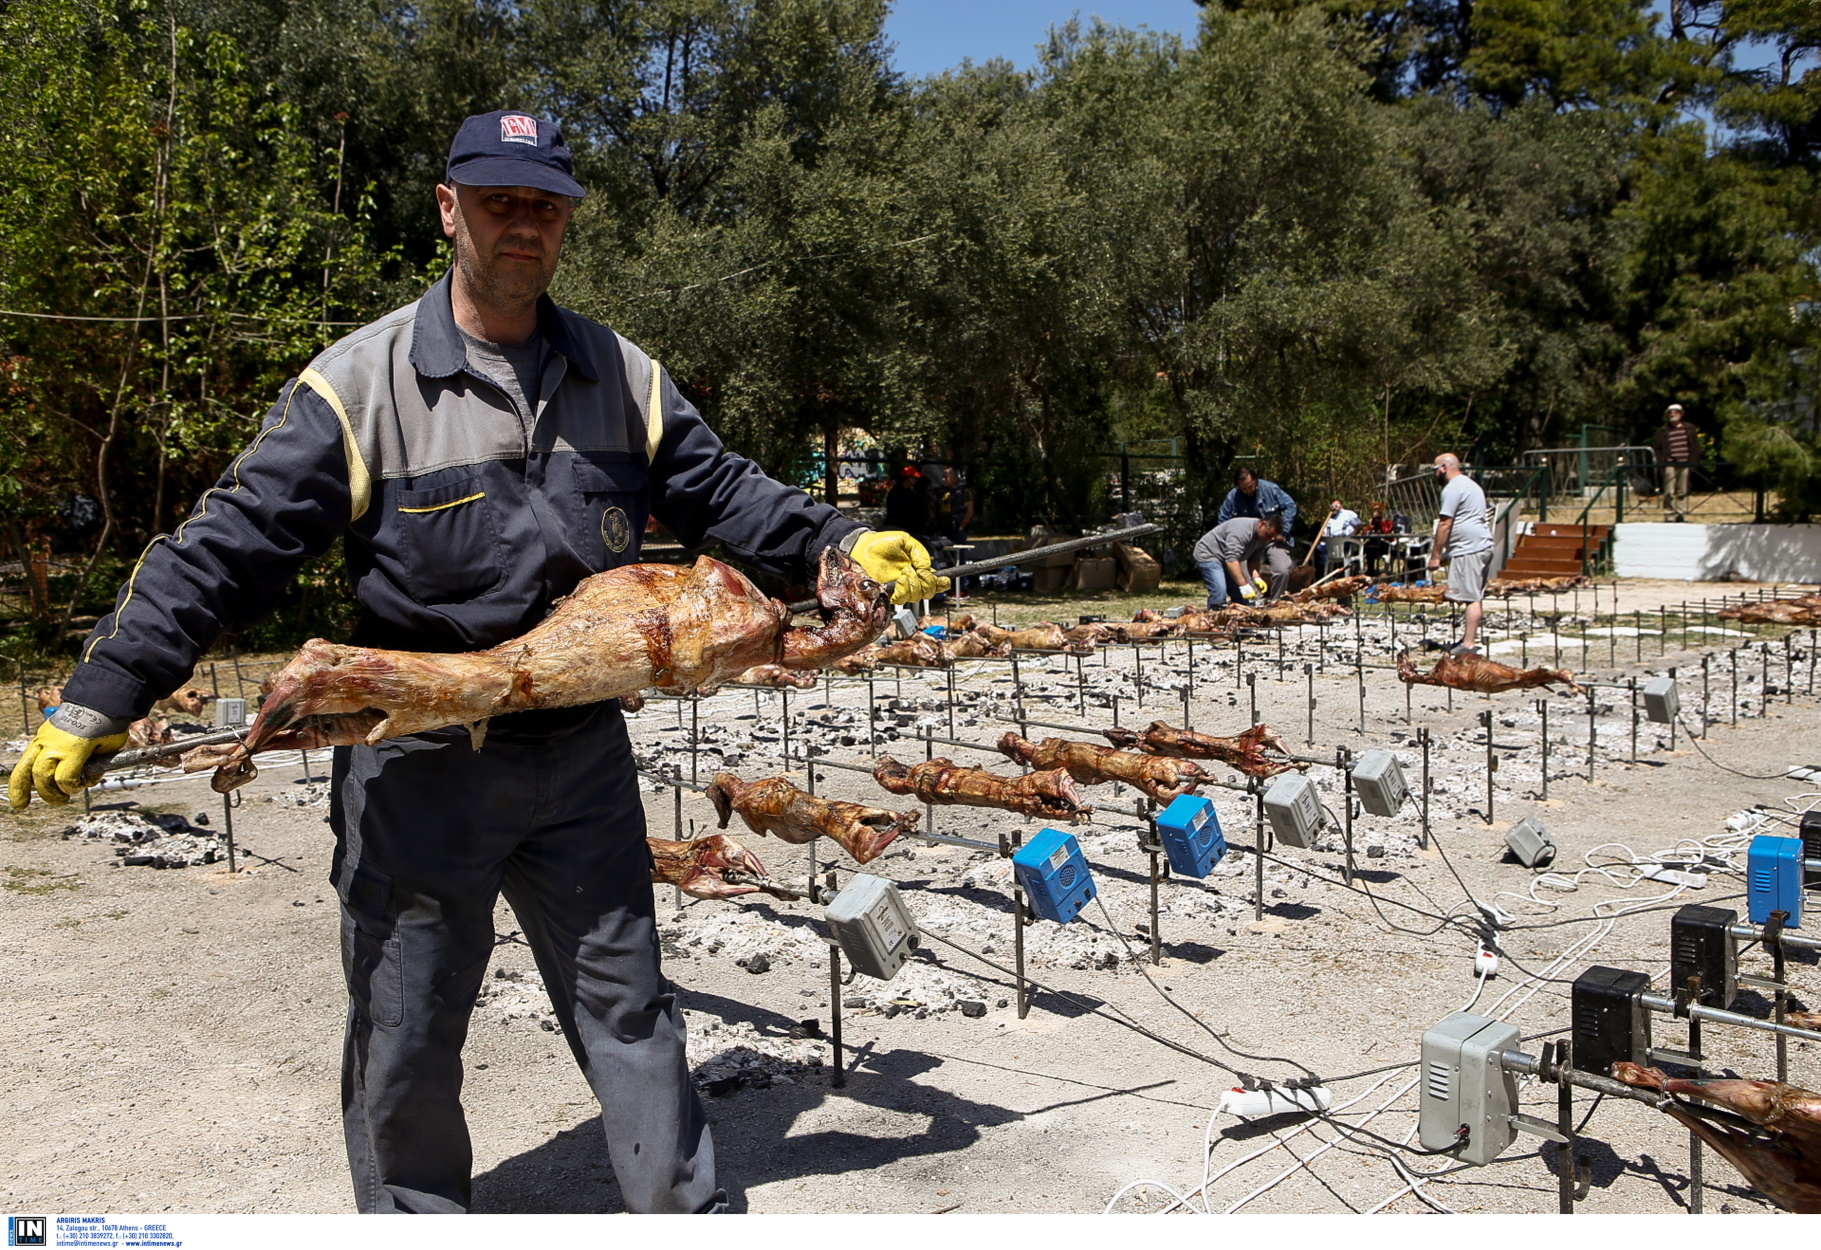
(437, 350)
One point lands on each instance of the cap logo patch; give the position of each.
(517, 128)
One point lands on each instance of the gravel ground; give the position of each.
(176, 1044)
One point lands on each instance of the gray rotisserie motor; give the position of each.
(1531, 843)
(871, 925)
(1380, 783)
(1294, 808)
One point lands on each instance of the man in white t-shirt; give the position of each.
(1343, 522)
(1463, 533)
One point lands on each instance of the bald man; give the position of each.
(1463, 533)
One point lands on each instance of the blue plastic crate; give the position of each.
(1054, 874)
(1773, 878)
(1189, 829)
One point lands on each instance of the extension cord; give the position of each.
(1274, 1101)
(1674, 876)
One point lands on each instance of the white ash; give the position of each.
(306, 794)
(510, 995)
(151, 839)
(726, 1054)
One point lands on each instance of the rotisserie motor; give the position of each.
(642, 625)
(1783, 1162)
(1483, 676)
(1248, 752)
(1049, 795)
(773, 806)
(1158, 776)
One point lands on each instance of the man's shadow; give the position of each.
(754, 1143)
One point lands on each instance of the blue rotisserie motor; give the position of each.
(1054, 874)
(1190, 832)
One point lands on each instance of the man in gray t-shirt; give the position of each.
(1228, 556)
(1463, 534)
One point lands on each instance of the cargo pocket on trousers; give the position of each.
(372, 958)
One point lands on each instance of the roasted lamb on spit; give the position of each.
(1159, 776)
(618, 632)
(1783, 1162)
(772, 805)
(1534, 585)
(1245, 752)
(1410, 594)
(1483, 676)
(697, 867)
(1776, 612)
(919, 651)
(972, 646)
(1043, 636)
(776, 675)
(1339, 588)
(1049, 795)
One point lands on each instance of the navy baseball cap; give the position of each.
(511, 149)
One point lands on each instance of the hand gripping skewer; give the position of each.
(1019, 557)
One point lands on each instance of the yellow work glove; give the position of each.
(1248, 591)
(53, 764)
(1260, 584)
(894, 556)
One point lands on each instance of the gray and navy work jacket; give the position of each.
(1270, 497)
(461, 529)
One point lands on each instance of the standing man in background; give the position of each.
(480, 451)
(1253, 496)
(1463, 531)
(1678, 452)
(1343, 522)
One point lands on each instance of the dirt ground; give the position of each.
(176, 1035)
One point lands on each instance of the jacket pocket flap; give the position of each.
(437, 498)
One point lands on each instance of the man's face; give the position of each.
(507, 239)
(1248, 486)
(1265, 530)
(1441, 470)
(950, 478)
(1334, 508)
(1675, 416)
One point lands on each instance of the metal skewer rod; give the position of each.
(139, 757)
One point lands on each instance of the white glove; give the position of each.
(1248, 591)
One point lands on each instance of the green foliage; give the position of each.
(1325, 235)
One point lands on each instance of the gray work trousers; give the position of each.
(428, 834)
(1277, 565)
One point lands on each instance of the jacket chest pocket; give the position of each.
(449, 542)
(614, 507)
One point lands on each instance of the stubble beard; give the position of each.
(506, 288)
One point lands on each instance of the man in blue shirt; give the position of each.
(1253, 496)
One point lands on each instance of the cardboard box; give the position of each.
(1138, 572)
(1093, 573)
(1041, 537)
(1048, 580)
